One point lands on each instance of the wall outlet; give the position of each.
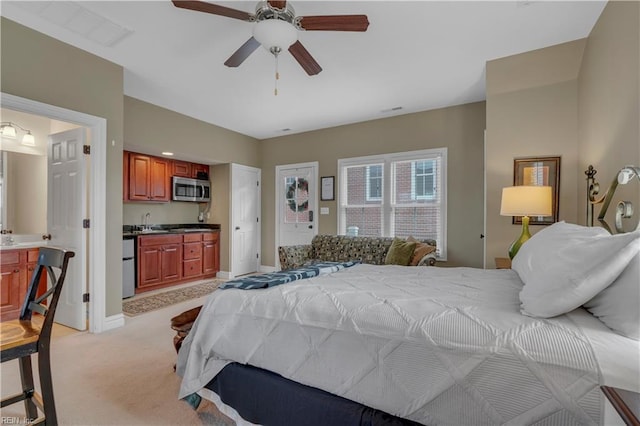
(324, 210)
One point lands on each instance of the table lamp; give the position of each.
(525, 201)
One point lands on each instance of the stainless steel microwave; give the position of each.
(185, 189)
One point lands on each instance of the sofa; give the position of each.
(342, 248)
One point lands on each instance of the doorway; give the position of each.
(96, 201)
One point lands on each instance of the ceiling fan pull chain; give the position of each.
(275, 91)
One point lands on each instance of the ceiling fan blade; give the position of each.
(242, 53)
(277, 4)
(304, 58)
(202, 6)
(335, 23)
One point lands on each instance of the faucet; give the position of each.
(147, 218)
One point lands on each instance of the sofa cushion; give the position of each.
(421, 250)
(343, 248)
(400, 252)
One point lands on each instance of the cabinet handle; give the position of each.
(16, 270)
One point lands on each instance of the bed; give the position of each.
(373, 344)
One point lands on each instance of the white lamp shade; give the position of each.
(526, 201)
(9, 131)
(28, 139)
(275, 33)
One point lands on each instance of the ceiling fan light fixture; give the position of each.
(275, 33)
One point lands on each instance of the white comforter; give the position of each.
(435, 345)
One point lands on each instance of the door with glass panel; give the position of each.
(296, 195)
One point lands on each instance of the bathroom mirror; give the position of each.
(23, 192)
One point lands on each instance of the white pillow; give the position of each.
(565, 265)
(617, 305)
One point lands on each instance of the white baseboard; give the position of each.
(225, 275)
(114, 321)
(267, 269)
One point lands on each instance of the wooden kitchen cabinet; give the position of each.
(149, 178)
(210, 253)
(192, 255)
(159, 261)
(166, 260)
(181, 168)
(195, 168)
(16, 269)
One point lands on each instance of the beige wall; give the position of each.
(609, 99)
(459, 128)
(38, 67)
(531, 112)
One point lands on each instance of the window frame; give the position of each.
(387, 204)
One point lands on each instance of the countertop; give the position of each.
(132, 231)
(25, 245)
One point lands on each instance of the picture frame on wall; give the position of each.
(544, 171)
(327, 187)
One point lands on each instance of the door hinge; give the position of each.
(86, 149)
(86, 223)
(85, 298)
(257, 255)
(257, 219)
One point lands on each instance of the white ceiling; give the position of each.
(418, 55)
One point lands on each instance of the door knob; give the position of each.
(237, 228)
(310, 226)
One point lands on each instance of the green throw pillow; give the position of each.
(400, 252)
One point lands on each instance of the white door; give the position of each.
(296, 204)
(245, 219)
(66, 209)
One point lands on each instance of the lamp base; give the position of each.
(515, 246)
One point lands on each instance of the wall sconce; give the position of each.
(525, 201)
(8, 130)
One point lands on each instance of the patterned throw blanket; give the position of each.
(282, 277)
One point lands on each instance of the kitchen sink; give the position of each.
(153, 231)
(196, 230)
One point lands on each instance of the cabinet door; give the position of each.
(149, 265)
(160, 179)
(181, 168)
(11, 293)
(210, 254)
(171, 262)
(139, 174)
(195, 168)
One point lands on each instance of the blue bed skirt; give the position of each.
(266, 398)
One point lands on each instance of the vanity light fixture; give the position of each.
(8, 130)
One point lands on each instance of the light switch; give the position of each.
(324, 210)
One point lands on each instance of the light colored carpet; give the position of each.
(120, 377)
(142, 304)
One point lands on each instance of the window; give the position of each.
(401, 195)
(422, 182)
(374, 182)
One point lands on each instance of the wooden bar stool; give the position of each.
(30, 334)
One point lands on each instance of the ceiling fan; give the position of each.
(276, 28)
